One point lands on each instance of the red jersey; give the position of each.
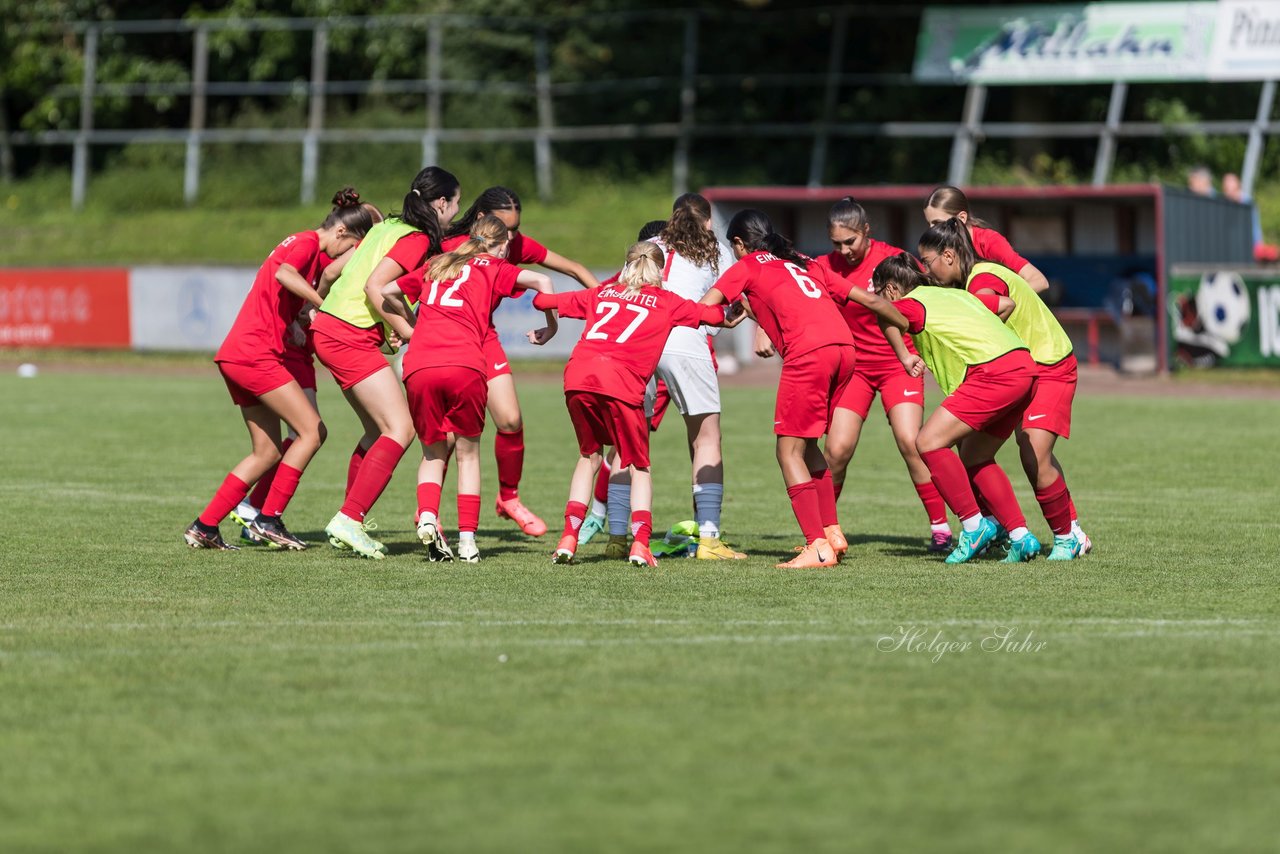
(521, 250)
(794, 306)
(873, 349)
(624, 335)
(987, 281)
(453, 315)
(993, 246)
(259, 328)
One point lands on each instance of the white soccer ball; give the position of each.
(27, 370)
(1223, 305)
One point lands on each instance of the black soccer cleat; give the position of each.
(200, 536)
(272, 529)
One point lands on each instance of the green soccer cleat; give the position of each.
(1023, 550)
(617, 548)
(972, 544)
(352, 534)
(593, 525)
(1066, 548)
(368, 526)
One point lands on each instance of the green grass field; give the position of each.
(155, 698)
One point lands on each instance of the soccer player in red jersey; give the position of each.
(604, 381)
(950, 257)
(795, 306)
(877, 369)
(354, 323)
(299, 360)
(251, 360)
(504, 405)
(946, 202)
(445, 376)
(989, 378)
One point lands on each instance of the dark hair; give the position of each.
(430, 184)
(652, 228)
(755, 230)
(953, 201)
(952, 234)
(349, 212)
(902, 270)
(847, 213)
(492, 199)
(686, 232)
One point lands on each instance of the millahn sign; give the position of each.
(1100, 42)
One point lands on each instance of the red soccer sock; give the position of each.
(837, 488)
(375, 473)
(826, 497)
(353, 467)
(804, 503)
(933, 503)
(949, 479)
(282, 490)
(508, 448)
(231, 493)
(574, 513)
(1055, 503)
(468, 513)
(641, 526)
(993, 484)
(602, 482)
(1071, 504)
(261, 489)
(428, 499)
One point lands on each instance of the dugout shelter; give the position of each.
(1088, 241)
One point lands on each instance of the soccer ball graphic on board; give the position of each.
(1222, 302)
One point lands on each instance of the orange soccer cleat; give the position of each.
(524, 517)
(836, 538)
(565, 551)
(641, 556)
(817, 554)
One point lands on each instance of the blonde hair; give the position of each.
(487, 234)
(643, 267)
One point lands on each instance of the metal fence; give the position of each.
(697, 73)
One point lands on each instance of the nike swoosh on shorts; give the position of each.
(1035, 417)
(500, 366)
(910, 393)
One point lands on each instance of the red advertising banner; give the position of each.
(69, 307)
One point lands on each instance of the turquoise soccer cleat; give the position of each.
(1023, 550)
(593, 525)
(1066, 548)
(972, 543)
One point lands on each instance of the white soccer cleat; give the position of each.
(468, 551)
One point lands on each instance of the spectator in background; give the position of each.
(1263, 252)
(1200, 181)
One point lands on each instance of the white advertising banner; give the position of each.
(1100, 42)
(185, 308)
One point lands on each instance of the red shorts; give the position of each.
(1050, 407)
(446, 399)
(599, 420)
(248, 382)
(660, 403)
(496, 363)
(808, 389)
(891, 380)
(350, 353)
(299, 363)
(993, 396)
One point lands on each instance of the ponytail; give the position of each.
(349, 212)
(903, 270)
(953, 202)
(492, 199)
(755, 230)
(430, 184)
(486, 235)
(847, 213)
(952, 234)
(643, 266)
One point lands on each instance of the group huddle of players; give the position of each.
(866, 318)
